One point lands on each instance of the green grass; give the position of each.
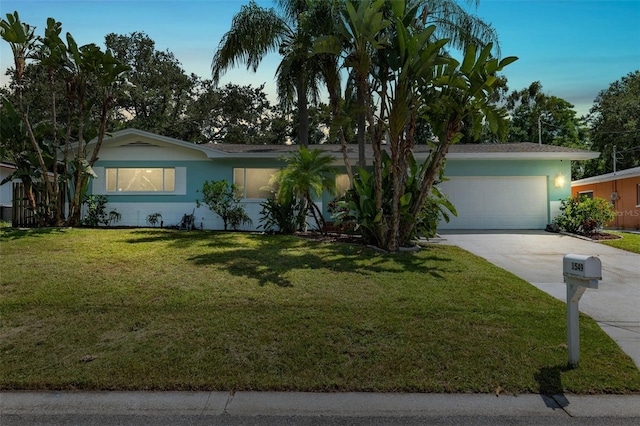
(160, 309)
(629, 242)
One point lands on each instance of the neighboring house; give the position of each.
(622, 188)
(6, 191)
(493, 186)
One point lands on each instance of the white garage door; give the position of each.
(508, 202)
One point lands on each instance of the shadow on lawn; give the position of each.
(183, 239)
(268, 258)
(17, 233)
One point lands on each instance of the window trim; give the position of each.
(638, 195)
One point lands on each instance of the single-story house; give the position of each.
(622, 188)
(493, 186)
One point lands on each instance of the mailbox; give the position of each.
(580, 272)
(582, 267)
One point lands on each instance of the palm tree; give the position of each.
(307, 175)
(453, 22)
(358, 31)
(255, 32)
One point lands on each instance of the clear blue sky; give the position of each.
(575, 48)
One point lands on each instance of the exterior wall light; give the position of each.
(559, 181)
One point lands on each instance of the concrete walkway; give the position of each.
(536, 256)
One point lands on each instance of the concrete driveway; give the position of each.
(536, 256)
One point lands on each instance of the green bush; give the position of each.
(283, 217)
(222, 199)
(583, 215)
(96, 214)
(154, 218)
(358, 204)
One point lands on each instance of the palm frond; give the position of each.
(255, 32)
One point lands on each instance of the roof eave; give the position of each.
(519, 155)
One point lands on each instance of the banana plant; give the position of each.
(459, 91)
(23, 41)
(89, 69)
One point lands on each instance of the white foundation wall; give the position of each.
(135, 214)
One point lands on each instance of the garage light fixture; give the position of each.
(559, 181)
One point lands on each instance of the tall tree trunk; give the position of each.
(435, 163)
(303, 110)
(361, 123)
(317, 215)
(58, 217)
(333, 87)
(75, 205)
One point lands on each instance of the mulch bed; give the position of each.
(332, 237)
(603, 236)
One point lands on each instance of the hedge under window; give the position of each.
(141, 179)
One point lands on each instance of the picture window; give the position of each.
(141, 179)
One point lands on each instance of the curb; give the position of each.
(349, 404)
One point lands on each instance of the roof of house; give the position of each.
(505, 151)
(622, 174)
(459, 151)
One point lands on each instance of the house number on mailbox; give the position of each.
(576, 266)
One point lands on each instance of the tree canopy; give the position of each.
(615, 121)
(538, 117)
(158, 92)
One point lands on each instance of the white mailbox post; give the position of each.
(580, 273)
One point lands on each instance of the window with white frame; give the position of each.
(140, 179)
(588, 194)
(254, 183)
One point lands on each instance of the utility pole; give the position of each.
(539, 130)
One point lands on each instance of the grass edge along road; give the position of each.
(155, 309)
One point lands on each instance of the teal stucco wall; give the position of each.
(199, 170)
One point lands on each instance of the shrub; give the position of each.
(358, 205)
(96, 214)
(284, 217)
(113, 217)
(436, 208)
(583, 215)
(154, 218)
(222, 199)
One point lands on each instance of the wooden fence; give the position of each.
(22, 216)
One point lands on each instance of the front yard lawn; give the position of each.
(162, 309)
(628, 242)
